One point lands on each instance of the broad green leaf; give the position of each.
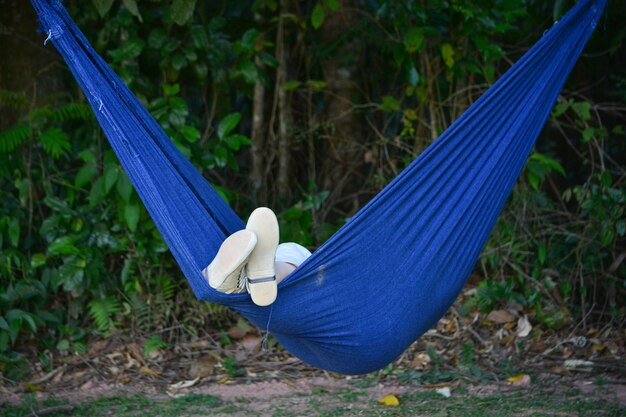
(268, 59)
(191, 55)
(131, 5)
(583, 109)
(15, 326)
(131, 214)
(202, 71)
(542, 253)
(232, 142)
(18, 316)
(182, 10)
(332, 4)
(63, 245)
(316, 84)
(3, 324)
(157, 38)
(190, 133)
(171, 90)
(14, 232)
(481, 42)
(110, 178)
(489, 71)
(227, 124)
(533, 180)
(124, 186)
(414, 39)
(447, 52)
(249, 38)
(414, 76)
(103, 6)
(199, 37)
(63, 345)
(317, 17)
(56, 204)
(37, 260)
(128, 50)
(23, 186)
(249, 71)
(291, 85)
(84, 175)
(620, 227)
(220, 154)
(560, 108)
(96, 194)
(607, 234)
(390, 104)
(179, 61)
(87, 156)
(588, 134)
(243, 140)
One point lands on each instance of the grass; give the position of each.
(346, 402)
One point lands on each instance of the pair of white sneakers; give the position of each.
(245, 261)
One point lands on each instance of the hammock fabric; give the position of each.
(394, 269)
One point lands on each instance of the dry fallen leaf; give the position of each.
(523, 327)
(236, 333)
(251, 342)
(519, 380)
(183, 384)
(31, 387)
(390, 400)
(202, 368)
(421, 361)
(148, 371)
(500, 316)
(578, 365)
(445, 391)
(98, 347)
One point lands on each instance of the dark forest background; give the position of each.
(308, 107)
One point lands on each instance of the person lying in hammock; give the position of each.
(252, 260)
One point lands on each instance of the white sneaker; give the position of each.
(260, 272)
(226, 272)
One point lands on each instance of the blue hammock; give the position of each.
(395, 268)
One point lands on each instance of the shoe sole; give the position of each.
(260, 268)
(229, 261)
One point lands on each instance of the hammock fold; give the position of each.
(394, 269)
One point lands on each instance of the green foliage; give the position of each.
(12, 138)
(154, 343)
(103, 311)
(79, 253)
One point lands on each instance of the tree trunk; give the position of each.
(284, 113)
(257, 173)
(28, 67)
(344, 153)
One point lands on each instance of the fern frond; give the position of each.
(55, 141)
(167, 287)
(102, 312)
(140, 311)
(155, 342)
(72, 111)
(218, 313)
(12, 138)
(12, 99)
(39, 116)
